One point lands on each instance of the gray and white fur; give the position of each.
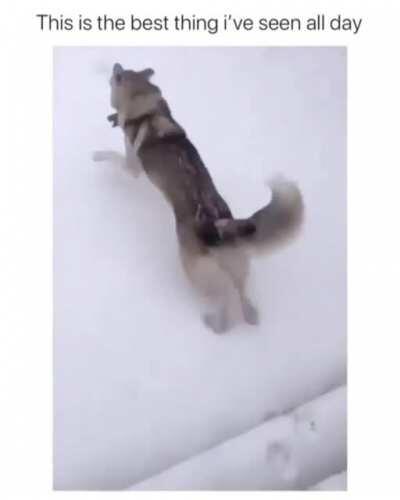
(214, 245)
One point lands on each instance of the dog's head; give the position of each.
(132, 92)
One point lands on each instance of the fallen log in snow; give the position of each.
(293, 451)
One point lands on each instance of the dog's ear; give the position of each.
(146, 73)
(117, 72)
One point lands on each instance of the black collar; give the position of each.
(137, 122)
(153, 137)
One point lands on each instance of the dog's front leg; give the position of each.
(132, 160)
(111, 156)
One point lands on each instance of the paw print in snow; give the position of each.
(279, 456)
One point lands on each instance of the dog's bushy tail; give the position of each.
(272, 226)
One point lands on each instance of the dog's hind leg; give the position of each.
(218, 320)
(218, 298)
(214, 286)
(250, 312)
(236, 264)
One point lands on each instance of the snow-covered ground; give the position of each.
(140, 384)
(336, 482)
(286, 453)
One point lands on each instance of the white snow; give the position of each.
(140, 383)
(336, 482)
(286, 453)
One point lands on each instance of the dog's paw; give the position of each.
(217, 322)
(102, 155)
(250, 313)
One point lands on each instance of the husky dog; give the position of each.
(214, 245)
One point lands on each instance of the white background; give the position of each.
(373, 241)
